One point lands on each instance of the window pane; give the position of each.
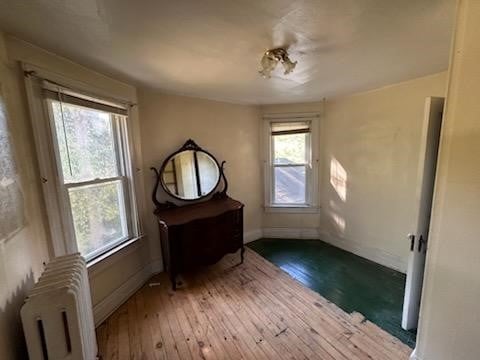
(85, 142)
(290, 149)
(98, 216)
(289, 185)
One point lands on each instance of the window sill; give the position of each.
(105, 260)
(292, 209)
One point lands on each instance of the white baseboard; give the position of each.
(374, 254)
(413, 355)
(156, 266)
(120, 295)
(291, 233)
(253, 235)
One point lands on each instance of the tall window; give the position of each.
(289, 177)
(90, 144)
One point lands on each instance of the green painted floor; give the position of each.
(350, 281)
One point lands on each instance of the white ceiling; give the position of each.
(212, 48)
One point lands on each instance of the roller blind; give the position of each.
(288, 128)
(58, 93)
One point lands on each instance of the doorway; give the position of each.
(418, 238)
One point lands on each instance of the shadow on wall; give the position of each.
(12, 340)
(338, 181)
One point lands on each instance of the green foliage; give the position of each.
(86, 142)
(97, 217)
(87, 149)
(290, 149)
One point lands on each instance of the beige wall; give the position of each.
(128, 265)
(230, 132)
(373, 138)
(450, 311)
(21, 256)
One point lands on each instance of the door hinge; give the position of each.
(421, 242)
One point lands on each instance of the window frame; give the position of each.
(311, 165)
(118, 133)
(62, 234)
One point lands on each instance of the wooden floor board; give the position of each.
(275, 277)
(264, 320)
(353, 283)
(241, 319)
(248, 311)
(208, 341)
(299, 299)
(315, 325)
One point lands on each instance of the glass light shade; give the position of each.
(270, 60)
(288, 65)
(268, 63)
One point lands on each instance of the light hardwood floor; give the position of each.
(248, 311)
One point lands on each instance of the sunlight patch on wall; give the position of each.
(11, 198)
(338, 179)
(339, 222)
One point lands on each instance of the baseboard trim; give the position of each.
(373, 254)
(120, 295)
(413, 355)
(376, 255)
(253, 235)
(291, 233)
(156, 267)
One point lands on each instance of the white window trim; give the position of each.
(312, 174)
(61, 230)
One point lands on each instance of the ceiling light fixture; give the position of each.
(272, 57)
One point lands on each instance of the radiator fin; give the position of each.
(57, 315)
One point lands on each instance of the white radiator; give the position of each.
(57, 315)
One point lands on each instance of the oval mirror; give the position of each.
(190, 174)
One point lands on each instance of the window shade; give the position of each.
(288, 128)
(55, 92)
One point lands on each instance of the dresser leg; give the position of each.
(174, 282)
(242, 252)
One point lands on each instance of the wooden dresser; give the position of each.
(200, 234)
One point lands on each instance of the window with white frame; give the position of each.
(89, 151)
(290, 172)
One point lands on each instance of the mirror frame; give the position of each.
(192, 146)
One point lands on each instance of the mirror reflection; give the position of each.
(190, 175)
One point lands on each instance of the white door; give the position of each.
(425, 183)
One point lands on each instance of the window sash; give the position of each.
(297, 127)
(118, 133)
(291, 204)
(293, 164)
(308, 148)
(126, 209)
(120, 143)
(94, 182)
(272, 186)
